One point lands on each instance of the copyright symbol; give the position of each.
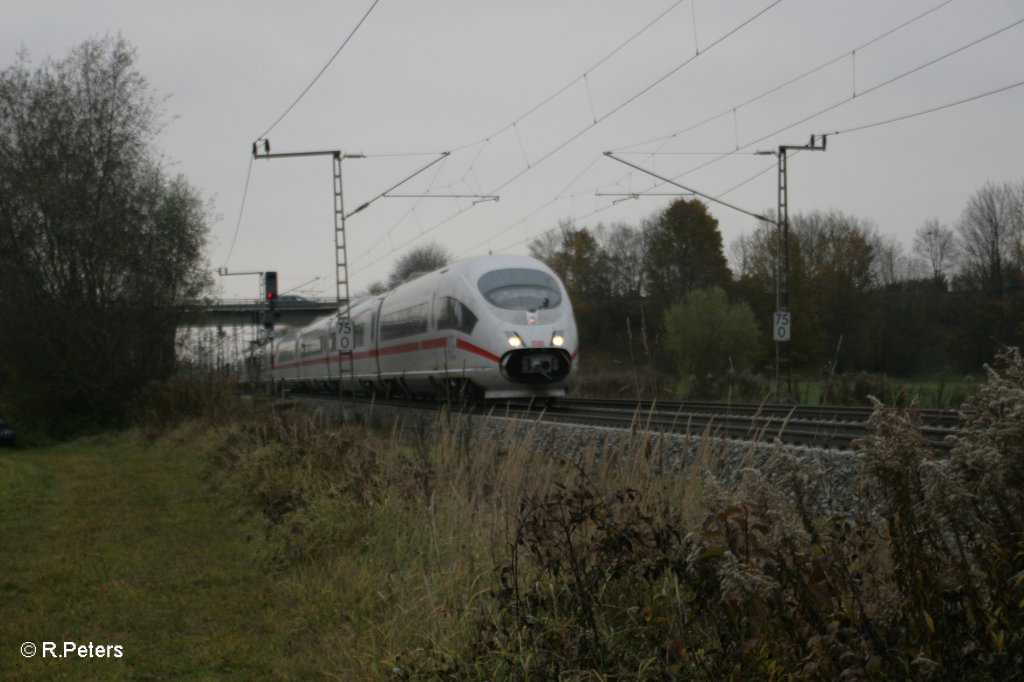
(28, 649)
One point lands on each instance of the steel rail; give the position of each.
(830, 427)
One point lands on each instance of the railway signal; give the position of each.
(270, 288)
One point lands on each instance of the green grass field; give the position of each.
(111, 541)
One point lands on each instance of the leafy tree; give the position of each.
(422, 259)
(100, 251)
(709, 338)
(684, 251)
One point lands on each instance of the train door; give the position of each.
(375, 340)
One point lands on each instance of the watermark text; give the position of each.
(71, 650)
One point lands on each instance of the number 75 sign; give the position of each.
(346, 335)
(780, 328)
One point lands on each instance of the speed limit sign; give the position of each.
(780, 328)
(346, 334)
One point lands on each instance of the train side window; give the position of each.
(286, 351)
(312, 346)
(405, 322)
(332, 342)
(452, 313)
(359, 334)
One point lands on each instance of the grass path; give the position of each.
(116, 542)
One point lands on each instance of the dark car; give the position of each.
(6, 433)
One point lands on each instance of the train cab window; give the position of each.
(451, 313)
(520, 289)
(405, 322)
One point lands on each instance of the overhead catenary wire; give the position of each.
(483, 143)
(647, 88)
(575, 80)
(772, 167)
(319, 73)
(248, 174)
(739, 147)
(873, 88)
(241, 211)
(781, 86)
(858, 96)
(882, 35)
(930, 110)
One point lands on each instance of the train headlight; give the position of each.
(557, 339)
(514, 340)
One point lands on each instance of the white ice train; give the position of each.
(489, 327)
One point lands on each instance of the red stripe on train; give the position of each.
(482, 352)
(429, 344)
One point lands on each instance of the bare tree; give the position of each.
(625, 249)
(100, 252)
(935, 244)
(891, 266)
(422, 259)
(989, 236)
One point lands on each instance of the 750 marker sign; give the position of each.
(346, 335)
(780, 328)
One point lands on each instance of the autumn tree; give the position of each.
(684, 251)
(100, 250)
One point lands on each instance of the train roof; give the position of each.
(477, 266)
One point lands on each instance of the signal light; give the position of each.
(270, 287)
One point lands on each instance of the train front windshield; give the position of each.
(520, 289)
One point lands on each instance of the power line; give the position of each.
(600, 119)
(248, 174)
(931, 110)
(639, 94)
(791, 81)
(320, 73)
(884, 34)
(573, 82)
(241, 210)
(845, 101)
(852, 97)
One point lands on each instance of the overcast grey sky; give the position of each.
(467, 76)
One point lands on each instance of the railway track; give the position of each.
(823, 427)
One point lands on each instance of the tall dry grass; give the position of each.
(453, 552)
